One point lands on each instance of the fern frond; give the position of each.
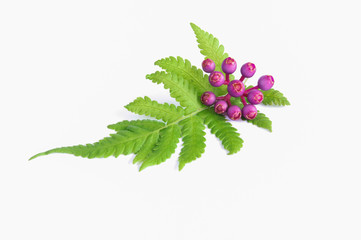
(193, 140)
(145, 106)
(262, 121)
(145, 123)
(179, 89)
(223, 130)
(275, 98)
(209, 46)
(183, 68)
(165, 147)
(125, 142)
(147, 147)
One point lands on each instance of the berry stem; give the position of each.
(242, 78)
(243, 101)
(248, 90)
(227, 99)
(227, 79)
(220, 98)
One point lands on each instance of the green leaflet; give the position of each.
(145, 106)
(223, 130)
(125, 141)
(192, 74)
(165, 147)
(262, 121)
(193, 140)
(179, 89)
(145, 123)
(147, 148)
(273, 97)
(209, 46)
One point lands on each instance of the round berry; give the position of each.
(234, 112)
(220, 106)
(208, 65)
(208, 98)
(236, 88)
(216, 79)
(255, 96)
(249, 112)
(266, 82)
(248, 70)
(229, 65)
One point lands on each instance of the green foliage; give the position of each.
(183, 68)
(179, 89)
(145, 106)
(125, 141)
(193, 140)
(273, 97)
(223, 130)
(154, 141)
(164, 148)
(209, 46)
(262, 121)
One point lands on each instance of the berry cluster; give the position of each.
(235, 88)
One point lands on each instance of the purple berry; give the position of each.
(249, 112)
(255, 96)
(248, 70)
(236, 88)
(229, 65)
(234, 112)
(208, 65)
(220, 106)
(266, 82)
(208, 98)
(216, 79)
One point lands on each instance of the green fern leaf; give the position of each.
(223, 130)
(125, 142)
(274, 97)
(145, 123)
(262, 121)
(145, 106)
(209, 46)
(193, 140)
(165, 147)
(183, 68)
(179, 89)
(147, 147)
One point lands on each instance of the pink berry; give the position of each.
(229, 65)
(216, 79)
(236, 88)
(248, 70)
(208, 65)
(249, 112)
(220, 106)
(234, 112)
(208, 98)
(255, 96)
(266, 82)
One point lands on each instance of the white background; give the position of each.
(67, 68)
